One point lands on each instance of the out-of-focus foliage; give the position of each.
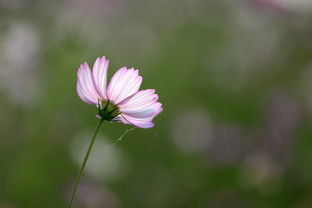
(234, 77)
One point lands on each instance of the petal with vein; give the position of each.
(86, 86)
(123, 84)
(100, 75)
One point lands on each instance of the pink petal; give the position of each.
(140, 123)
(142, 115)
(100, 75)
(140, 108)
(86, 86)
(123, 84)
(139, 98)
(147, 110)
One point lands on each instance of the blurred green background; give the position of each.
(234, 77)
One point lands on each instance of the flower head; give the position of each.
(121, 100)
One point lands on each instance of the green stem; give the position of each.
(84, 163)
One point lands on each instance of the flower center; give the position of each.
(107, 110)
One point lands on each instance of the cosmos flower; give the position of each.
(121, 100)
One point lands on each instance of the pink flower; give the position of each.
(121, 100)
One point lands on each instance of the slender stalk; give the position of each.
(84, 163)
